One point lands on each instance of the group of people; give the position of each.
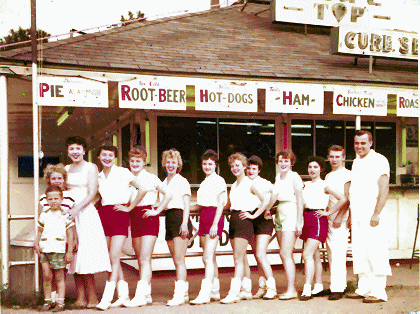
(316, 211)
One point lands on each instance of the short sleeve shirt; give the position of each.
(285, 188)
(178, 186)
(115, 189)
(264, 186)
(241, 196)
(365, 174)
(66, 205)
(150, 183)
(54, 224)
(209, 190)
(314, 196)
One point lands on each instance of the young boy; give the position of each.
(54, 231)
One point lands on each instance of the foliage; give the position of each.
(21, 35)
(131, 17)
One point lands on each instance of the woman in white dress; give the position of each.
(92, 254)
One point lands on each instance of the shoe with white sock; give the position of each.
(262, 290)
(306, 293)
(180, 294)
(107, 296)
(245, 293)
(215, 290)
(233, 295)
(318, 289)
(122, 289)
(204, 294)
(140, 296)
(271, 289)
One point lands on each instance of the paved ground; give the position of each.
(403, 294)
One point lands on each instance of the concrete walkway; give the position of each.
(402, 287)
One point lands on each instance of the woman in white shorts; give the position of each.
(288, 220)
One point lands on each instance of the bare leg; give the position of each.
(143, 247)
(61, 284)
(81, 290)
(239, 252)
(261, 245)
(178, 248)
(318, 267)
(47, 277)
(311, 246)
(91, 289)
(115, 247)
(209, 249)
(287, 240)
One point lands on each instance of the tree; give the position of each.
(131, 17)
(21, 35)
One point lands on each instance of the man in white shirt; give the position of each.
(368, 192)
(337, 239)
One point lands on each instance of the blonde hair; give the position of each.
(238, 156)
(174, 154)
(138, 152)
(49, 169)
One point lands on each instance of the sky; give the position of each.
(59, 16)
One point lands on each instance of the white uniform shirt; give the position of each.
(241, 197)
(178, 186)
(285, 188)
(66, 205)
(314, 196)
(149, 182)
(210, 189)
(365, 174)
(336, 180)
(115, 189)
(54, 224)
(264, 186)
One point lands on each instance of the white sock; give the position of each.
(318, 287)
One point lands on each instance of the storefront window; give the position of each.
(193, 136)
(313, 137)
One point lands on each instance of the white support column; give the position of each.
(358, 123)
(4, 182)
(35, 130)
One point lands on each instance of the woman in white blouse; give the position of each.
(244, 198)
(177, 222)
(114, 187)
(211, 198)
(315, 224)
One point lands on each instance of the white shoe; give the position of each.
(204, 294)
(140, 296)
(262, 288)
(245, 293)
(122, 289)
(107, 296)
(215, 290)
(271, 289)
(180, 294)
(233, 295)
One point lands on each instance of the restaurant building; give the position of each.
(230, 79)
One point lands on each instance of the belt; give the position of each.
(311, 210)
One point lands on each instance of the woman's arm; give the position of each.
(299, 204)
(219, 211)
(92, 191)
(341, 201)
(185, 217)
(141, 192)
(265, 200)
(167, 196)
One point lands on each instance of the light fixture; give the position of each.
(63, 118)
(147, 140)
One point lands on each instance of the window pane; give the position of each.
(191, 137)
(385, 144)
(250, 137)
(302, 144)
(328, 133)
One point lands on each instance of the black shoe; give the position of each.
(322, 293)
(305, 297)
(335, 296)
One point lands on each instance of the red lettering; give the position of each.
(204, 95)
(402, 102)
(285, 97)
(125, 89)
(43, 87)
(338, 102)
(162, 95)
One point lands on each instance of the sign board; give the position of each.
(387, 14)
(380, 43)
(72, 92)
(295, 98)
(359, 101)
(225, 96)
(151, 92)
(408, 104)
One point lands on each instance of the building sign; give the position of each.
(225, 96)
(72, 92)
(151, 92)
(381, 43)
(295, 98)
(359, 101)
(408, 104)
(380, 13)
